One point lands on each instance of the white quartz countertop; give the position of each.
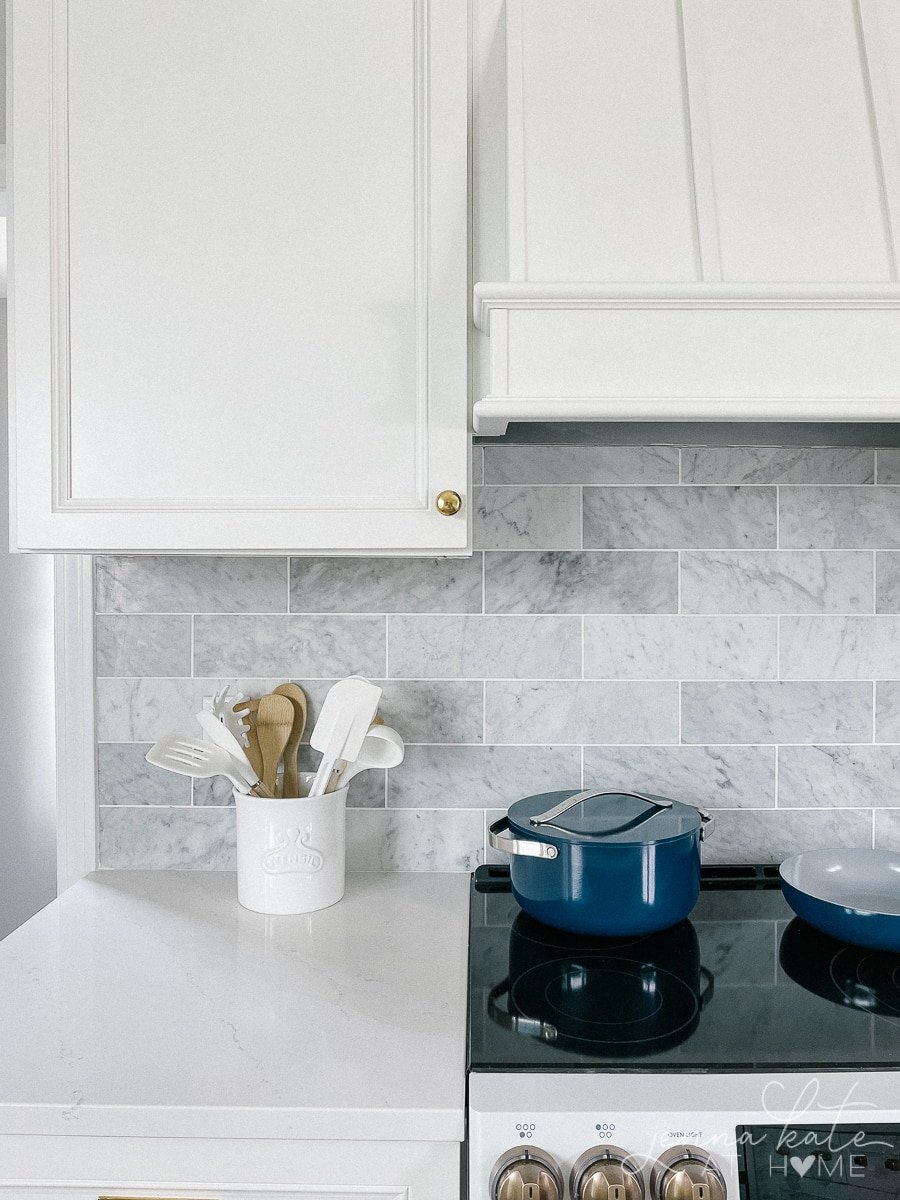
(149, 1003)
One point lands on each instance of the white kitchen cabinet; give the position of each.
(79, 1168)
(702, 210)
(239, 275)
(184, 1169)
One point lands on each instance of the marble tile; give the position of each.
(711, 776)
(679, 517)
(887, 829)
(190, 583)
(581, 712)
(480, 776)
(289, 646)
(195, 839)
(679, 647)
(840, 647)
(212, 793)
(414, 840)
(143, 710)
(771, 835)
(477, 465)
(887, 711)
(386, 585)
(142, 645)
(581, 464)
(125, 777)
(434, 710)
(527, 518)
(887, 582)
(484, 647)
(776, 581)
(776, 464)
(825, 518)
(888, 464)
(838, 776)
(597, 581)
(755, 713)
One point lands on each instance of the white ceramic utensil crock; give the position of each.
(290, 852)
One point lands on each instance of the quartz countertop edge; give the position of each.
(149, 1003)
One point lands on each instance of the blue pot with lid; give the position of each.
(603, 863)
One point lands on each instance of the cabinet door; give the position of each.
(239, 274)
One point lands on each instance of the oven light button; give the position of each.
(526, 1174)
(686, 1173)
(606, 1173)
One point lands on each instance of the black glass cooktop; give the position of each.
(742, 985)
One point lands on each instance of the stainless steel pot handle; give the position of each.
(551, 814)
(530, 1026)
(524, 846)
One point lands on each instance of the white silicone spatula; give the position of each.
(343, 723)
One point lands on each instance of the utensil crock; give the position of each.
(291, 852)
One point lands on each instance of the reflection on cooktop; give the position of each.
(741, 985)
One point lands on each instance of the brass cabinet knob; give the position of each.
(530, 1174)
(448, 503)
(606, 1173)
(687, 1173)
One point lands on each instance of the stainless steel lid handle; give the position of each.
(706, 819)
(551, 814)
(500, 839)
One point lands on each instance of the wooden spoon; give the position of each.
(297, 697)
(274, 721)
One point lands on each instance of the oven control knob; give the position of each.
(687, 1173)
(606, 1173)
(530, 1174)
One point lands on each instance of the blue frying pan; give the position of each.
(853, 895)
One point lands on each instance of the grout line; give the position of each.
(387, 640)
(874, 581)
(778, 646)
(776, 780)
(288, 584)
(777, 518)
(874, 711)
(549, 744)
(484, 740)
(483, 582)
(680, 740)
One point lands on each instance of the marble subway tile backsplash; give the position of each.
(719, 624)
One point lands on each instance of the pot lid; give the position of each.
(618, 818)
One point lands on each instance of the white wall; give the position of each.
(27, 776)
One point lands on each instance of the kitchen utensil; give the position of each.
(605, 863)
(853, 895)
(382, 747)
(601, 996)
(222, 736)
(342, 726)
(245, 710)
(224, 705)
(199, 760)
(291, 851)
(274, 719)
(297, 697)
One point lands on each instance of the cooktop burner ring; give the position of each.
(867, 979)
(654, 1004)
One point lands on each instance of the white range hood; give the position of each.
(702, 213)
